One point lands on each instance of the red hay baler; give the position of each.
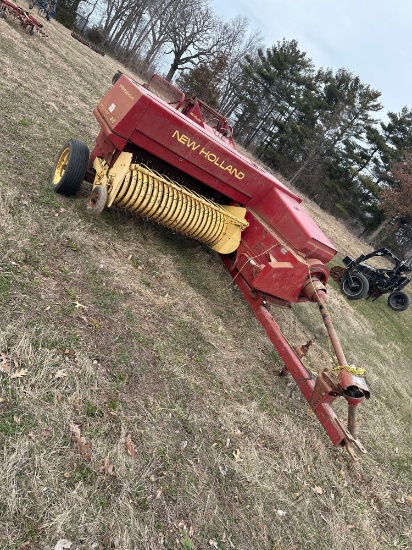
(172, 159)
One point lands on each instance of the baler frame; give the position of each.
(275, 253)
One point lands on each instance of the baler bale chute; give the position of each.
(172, 159)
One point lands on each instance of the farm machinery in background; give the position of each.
(45, 8)
(359, 279)
(172, 159)
(87, 42)
(30, 24)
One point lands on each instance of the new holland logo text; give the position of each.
(211, 157)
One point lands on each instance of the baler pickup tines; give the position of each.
(137, 189)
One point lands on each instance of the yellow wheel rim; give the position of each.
(61, 165)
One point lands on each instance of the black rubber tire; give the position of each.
(359, 289)
(97, 200)
(116, 77)
(70, 167)
(398, 301)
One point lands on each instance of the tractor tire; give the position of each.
(116, 77)
(97, 200)
(70, 167)
(359, 288)
(398, 301)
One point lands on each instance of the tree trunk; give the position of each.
(172, 71)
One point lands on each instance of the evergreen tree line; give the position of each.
(322, 130)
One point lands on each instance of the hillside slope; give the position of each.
(140, 406)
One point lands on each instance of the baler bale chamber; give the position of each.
(172, 159)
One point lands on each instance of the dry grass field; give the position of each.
(140, 406)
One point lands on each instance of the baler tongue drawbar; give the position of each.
(322, 388)
(350, 383)
(137, 189)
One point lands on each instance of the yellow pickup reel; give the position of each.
(137, 189)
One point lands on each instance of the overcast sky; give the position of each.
(370, 38)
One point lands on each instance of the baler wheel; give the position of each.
(69, 169)
(398, 301)
(97, 200)
(358, 289)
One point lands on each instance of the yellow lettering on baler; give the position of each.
(182, 138)
(192, 144)
(211, 157)
(126, 91)
(237, 174)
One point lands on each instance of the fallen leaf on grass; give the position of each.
(94, 323)
(236, 455)
(67, 351)
(4, 363)
(318, 490)
(60, 374)
(16, 419)
(409, 500)
(158, 493)
(222, 470)
(129, 445)
(19, 373)
(107, 468)
(83, 444)
(62, 544)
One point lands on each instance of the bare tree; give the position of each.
(118, 11)
(84, 7)
(194, 34)
(151, 35)
(239, 45)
